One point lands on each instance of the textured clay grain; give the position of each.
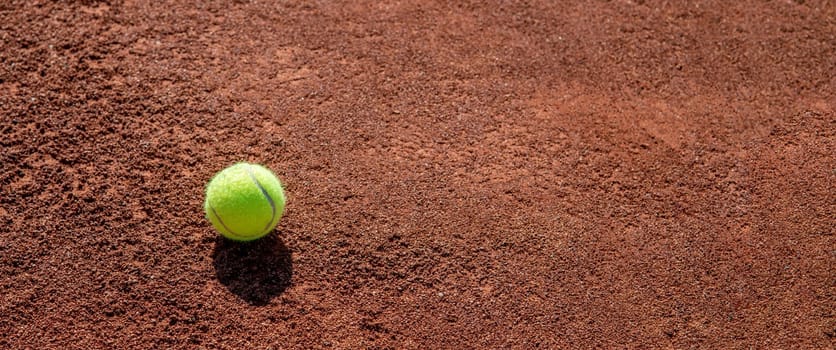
(461, 174)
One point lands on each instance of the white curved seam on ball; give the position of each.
(266, 195)
(223, 224)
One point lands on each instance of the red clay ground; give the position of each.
(646, 174)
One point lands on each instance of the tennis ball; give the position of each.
(244, 202)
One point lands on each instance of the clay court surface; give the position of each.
(487, 175)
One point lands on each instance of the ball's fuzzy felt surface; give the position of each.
(244, 202)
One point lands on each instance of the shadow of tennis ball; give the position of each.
(255, 271)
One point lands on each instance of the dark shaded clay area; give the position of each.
(254, 271)
(460, 174)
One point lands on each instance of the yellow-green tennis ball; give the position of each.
(244, 202)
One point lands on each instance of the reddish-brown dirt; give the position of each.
(540, 174)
